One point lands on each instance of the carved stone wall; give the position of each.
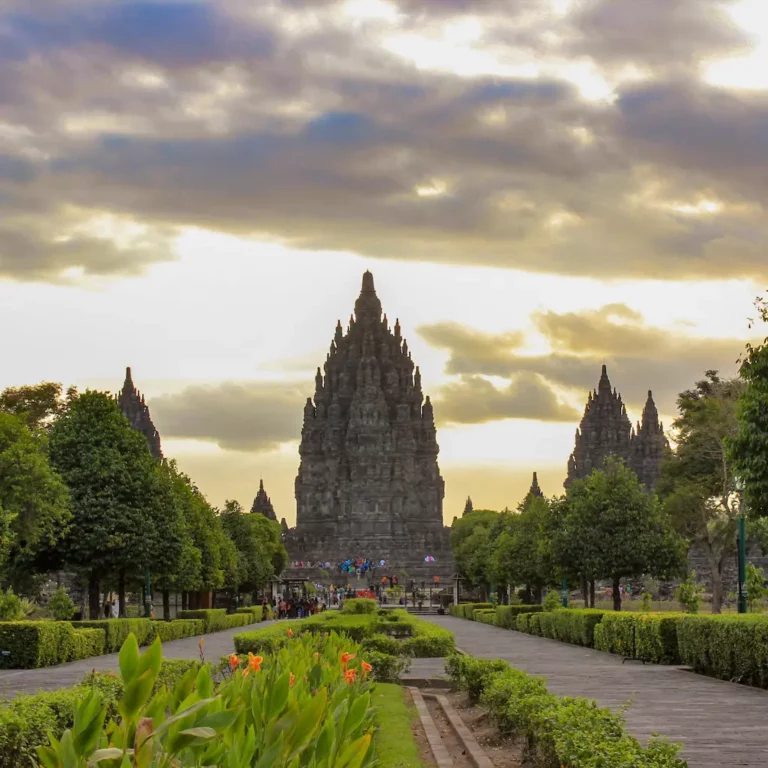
(369, 484)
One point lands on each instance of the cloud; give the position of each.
(250, 416)
(475, 400)
(639, 356)
(298, 122)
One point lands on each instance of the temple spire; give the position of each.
(467, 507)
(535, 489)
(134, 407)
(262, 504)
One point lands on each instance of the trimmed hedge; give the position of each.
(214, 619)
(116, 631)
(731, 648)
(465, 610)
(648, 636)
(26, 720)
(33, 644)
(506, 615)
(559, 731)
(359, 605)
(174, 630)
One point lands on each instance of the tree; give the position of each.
(613, 529)
(748, 446)
(471, 546)
(34, 502)
(115, 489)
(39, 404)
(697, 486)
(260, 553)
(521, 552)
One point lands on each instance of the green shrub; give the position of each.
(553, 600)
(656, 637)
(728, 647)
(60, 605)
(480, 614)
(523, 622)
(506, 615)
(559, 731)
(359, 605)
(175, 630)
(117, 630)
(534, 623)
(381, 644)
(87, 643)
(10, 606)
(615, 634)
(387, 667)
(429, 642)
(576, 626)
(32, 644)
(214, 619)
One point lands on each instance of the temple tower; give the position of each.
(136, 410)
(649, 446)
(468, 507)
(535, 489)
(369, 484)
(605, 430)
(262, 504)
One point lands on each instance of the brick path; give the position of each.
(719, 723)
(13, 681)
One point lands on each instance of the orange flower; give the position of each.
(234, 662)
(346, 658)
(350, 675)
(293, 679)
(201, 644)
(366, 668)
(254, 662)
(315, 655)
(290, 633)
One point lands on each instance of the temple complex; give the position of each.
(369, 485)
(262, 504)
(605, 430)
(136, 410)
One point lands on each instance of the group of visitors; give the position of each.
(297, 607)
(361, 566)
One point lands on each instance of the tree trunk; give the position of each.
(94, 604)
(184, 600)
(585, 591)
(716, 567)
(592, 593)
(616, 593)
(121, 612)
(166, 605)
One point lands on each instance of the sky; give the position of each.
(194, 188)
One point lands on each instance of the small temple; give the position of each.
(135, 409)
(468, 507)
(606, 430)
(535, 489)
(262, 504)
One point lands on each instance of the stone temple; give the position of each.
(369, 484)
(135, 409)
(605, 430)
(262, 504)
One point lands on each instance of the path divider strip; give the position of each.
(439, 751)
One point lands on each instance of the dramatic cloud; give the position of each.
(317, 123)
(252, 416)
(475, 400)
(639, 356)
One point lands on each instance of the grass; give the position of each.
(395, 744)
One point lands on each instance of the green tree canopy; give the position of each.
(471, 545)
(115, 488)
(39, 404)
(748, 447)
(259, 551)
(611, 528)
(697, 485)
(34, 502)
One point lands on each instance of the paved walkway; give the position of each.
(14, 681)
(719, 723)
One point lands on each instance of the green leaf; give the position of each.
(189, 738)
(136, 695)
(181, 715)
(357, 714)
(129, 658)
(325, 742)
(151, 659)
(278, 696)
(308, 722)
(106, 754)
(89, 722)
(219, 721)
(354, 754)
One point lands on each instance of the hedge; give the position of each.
(32, 644)
(465, 610)
(564, 731)
(116, 631)
(359, 605)
(214, 619)
(506, 615)
(26, 720)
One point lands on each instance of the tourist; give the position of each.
(115, 609)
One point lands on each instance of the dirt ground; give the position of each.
(502, 752)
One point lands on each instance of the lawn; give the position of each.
(395, 743)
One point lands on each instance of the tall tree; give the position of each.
(114, 483)
(613, 529)
(39, 404)
(260, 553)
(748, 447)
(34, 502)
(697, 486)
(471, 545)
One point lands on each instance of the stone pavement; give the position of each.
(14, 681)
(719, 723)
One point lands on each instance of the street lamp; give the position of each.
(741, 540)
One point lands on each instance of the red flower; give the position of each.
(234, 662)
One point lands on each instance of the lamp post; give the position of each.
(565, 593)
(147, 596)
(741, 541)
